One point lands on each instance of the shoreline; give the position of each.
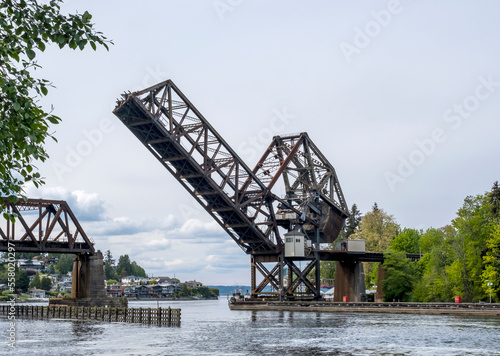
(479, 309)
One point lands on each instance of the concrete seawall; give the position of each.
(482, 309)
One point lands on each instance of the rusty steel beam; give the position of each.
(185, 143)
(57, 218)
(238, 198)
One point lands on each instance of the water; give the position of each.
(210, 328)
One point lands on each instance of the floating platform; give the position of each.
(483, 309)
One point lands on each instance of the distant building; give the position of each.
(171, 285)
(129, 291)
(149, 291)
(193, 284)
(37, 293)
(167, 290)
(134, 279)
(63, 286)
(30, 266)
(114, 290)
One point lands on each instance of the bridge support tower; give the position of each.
(88, 276)
(349, 282)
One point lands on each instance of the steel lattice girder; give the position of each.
(273, 277)
(305, 172)
(176, 133)
(54, 228)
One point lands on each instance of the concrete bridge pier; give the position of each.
(87, 289)
(349, 282)
(88, 277)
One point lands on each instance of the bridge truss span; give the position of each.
(43, 226)
(241, 199)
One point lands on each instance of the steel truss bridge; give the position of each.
(241, 199)
(43, 226)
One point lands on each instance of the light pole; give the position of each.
(489, 284)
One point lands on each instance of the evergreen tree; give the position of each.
(36, 282)
(22, 281)
(46, 283)
(124, 267)
(64, 264)
(352, 222)
(378, 229)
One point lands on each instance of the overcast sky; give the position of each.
(402, 97)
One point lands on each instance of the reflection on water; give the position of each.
(210, 328)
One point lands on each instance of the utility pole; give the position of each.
(489, 284)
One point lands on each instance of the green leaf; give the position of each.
(53, 120)
(17, 106)
(14, 55)
(82, 44)
(44, 90)
(41, 45)
(13, 199)
(92, 44)
(30, 53)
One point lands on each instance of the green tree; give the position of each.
(352, 222)
(406, 241)
(399, 277)
(473, 226)
(111, 281)
(124, 265)
(108, 258)
(378, 229)
(437, 256)
(46, 283)
(22, 280)
(36, 282)
(26, 27)
(494, 197)
(491, 261)
(109, 271)
(137, 270)
(64, 264)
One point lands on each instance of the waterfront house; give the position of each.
(114, 290)
(193, 284)
(30, 266)
(167, 290)
(37, 293)
(134, 279)
(129, 291)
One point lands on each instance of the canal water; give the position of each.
(210, 328)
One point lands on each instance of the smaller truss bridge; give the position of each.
(44, 226)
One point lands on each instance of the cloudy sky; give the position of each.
(403, 97)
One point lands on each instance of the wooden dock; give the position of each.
(153, 316)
